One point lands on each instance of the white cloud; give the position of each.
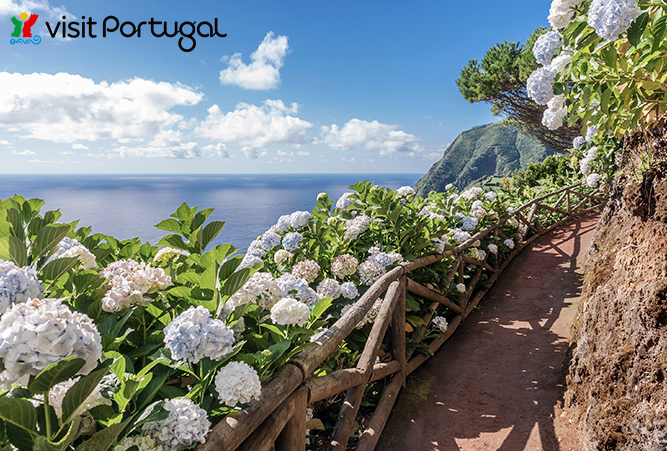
(24, 152)
(167, 144)
(303, 153)
(358, 134)
(5, 142)
(219, 151)
(79, 147)
(254, 126)
(68, 108)
(263, 73)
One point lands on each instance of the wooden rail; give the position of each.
(278, 418)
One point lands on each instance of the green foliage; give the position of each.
(554, 172)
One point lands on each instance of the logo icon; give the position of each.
(22, 29)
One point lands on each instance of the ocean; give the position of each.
(128, 206)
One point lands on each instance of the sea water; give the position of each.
(128, 206)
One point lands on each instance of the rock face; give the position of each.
(483, 151)
(616, 383)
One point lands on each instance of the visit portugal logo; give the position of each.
(23, 30)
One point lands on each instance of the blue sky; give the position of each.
(296, 86)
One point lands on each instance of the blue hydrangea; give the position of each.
(349, 290)
(17, 285)
(578, 142)
(270, 239)
(383, 259)
(469, 223)
(610, 18)
(540, 85)
(292, 240)
(547, 46)
(194, 335)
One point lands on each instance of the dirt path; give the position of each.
(497, 383)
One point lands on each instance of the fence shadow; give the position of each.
(494, 384)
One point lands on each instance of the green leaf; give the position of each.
(175, 241)
(78, 393)
(19, 437)
(55, 373)
(148, 393)
(416, 321)
(19, 413)
(14, 218)
(104, 438)
(210, 232)
(47, 238)
(170, 225)
(321, 307)
(43, 444)
(235, 282)
(56, 268)
(154, 412)
(637, 28)
(13, 249)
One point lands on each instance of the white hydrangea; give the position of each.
(249, 261)
(461, 236)
(260, 289)
(349, 290)
(70, 247)
(558, 64)
(255, 249)
(329, 288)
(344, 265)
(345, 201)
(237, 382)
(440, 243)
(591, 132)
(168, 254)
(593, 179)
(429, 211)
(555, 113)
(186, 424)
(356, 227)
(370, 271)
(585, 166)
(289, 311)
(441, 323)
(540, 85)
(39, 332)
(306, 269)
(509, 243)
(493, 248)
(193, 335)
(461, 287)
(547, 46)
(472, 193)
(292, 240)
(561, 12)
(491, 196)
(129, 282)
(299, 219)
(17, 285)
(610, 18)
(58, 392)
(270, 239)
(469, 223)
(592, 152)
(142, 442)
(281, 255)
(578, 142)
(405, 191)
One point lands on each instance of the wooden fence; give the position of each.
(278, 418)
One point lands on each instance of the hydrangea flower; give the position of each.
(344, 265)
(129, 282)
(193, 335)
(547, 46)
(270, 239)
(593, 179)
(461, 287)
(58, 392)
(70, 247)
(292, 240)
(372, 314)
(461, 236)
(356, 227)
(509, 243)
(349, 290)
(429, 211)
(578, 142)
(472, 193)
(561, 12)
(281, 255)
(555, 113)
(440, 323)
(142, 442)
(260, 289)
(383, 259)
(493, 248)
(370, 271)
(329, 288)
(39, 332)
(306, 269)
(405, 191)
(289, 311)
(299, 219)
(186, 424)
(540, 85)
(17, 285)
(168, 254)
(345, 201)
(591, 133)
(255, 249)
(558, 64)
(237, 382)
(249, 261)
(585, 166)
(440, 243)
(610, 18)
(592, 152)
(283, 223)
(491, 196)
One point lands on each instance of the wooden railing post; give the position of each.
(293, 436)
(398, 327)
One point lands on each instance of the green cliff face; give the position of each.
(480, 153)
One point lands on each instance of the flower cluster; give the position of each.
(167, 254)
(356, 226)
(58, 392)
(142, 442)
(610, 18)
(509, 243)
(578, 142)
(281, 255)
(289, 311)
(186, 424)
(329, 288)
(292, 240)
(585, 163)
(540, 85)
(461, 287)
(405, 191)
(129, 282)
(306, 269)
(296, 220)
(492, 248)
(70, 247)
(344, 265)
(547, 47)
(345, 201)
(17, 285)
(237, 382)
(472, 193)
(440, 323)
(555, 113)
(193, 335)
(39, 332)
(561, 12)
(260, 289)
(349, 290)
(593, 179)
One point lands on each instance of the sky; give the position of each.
(295, 86)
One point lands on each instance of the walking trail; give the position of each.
(497, 383)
